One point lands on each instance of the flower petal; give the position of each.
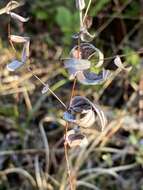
(17, 17)
(74, 139)
(80, 4)
(14, 65)
(83, 112)
(90, 78)
(119, 64)
(45, 89)
(77, 64)
(87, 51)
(18, 39)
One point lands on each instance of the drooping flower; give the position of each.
(84, 113)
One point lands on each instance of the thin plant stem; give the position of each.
(73, 89)
(44, 84)
(87, 9)
(66, 157)
(58, 98)
(67, 125)
(75, 80)
(9, 31)
(81, 19)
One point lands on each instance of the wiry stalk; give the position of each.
(44, 84)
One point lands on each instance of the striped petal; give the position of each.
(87, 51)
(90, 78)
(74, 139)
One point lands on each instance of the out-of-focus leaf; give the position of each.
(133, 57)
(64, 18)
(99, 6)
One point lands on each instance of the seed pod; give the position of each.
(119, 64)
(90, 78)
(17, 17)
(74, 139)
(83, 113)
(80, 4)
(14, 65)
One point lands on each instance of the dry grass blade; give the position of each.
(113, 169)
(46, 145)
(21, 172)
(38, 174)
(87, 185)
